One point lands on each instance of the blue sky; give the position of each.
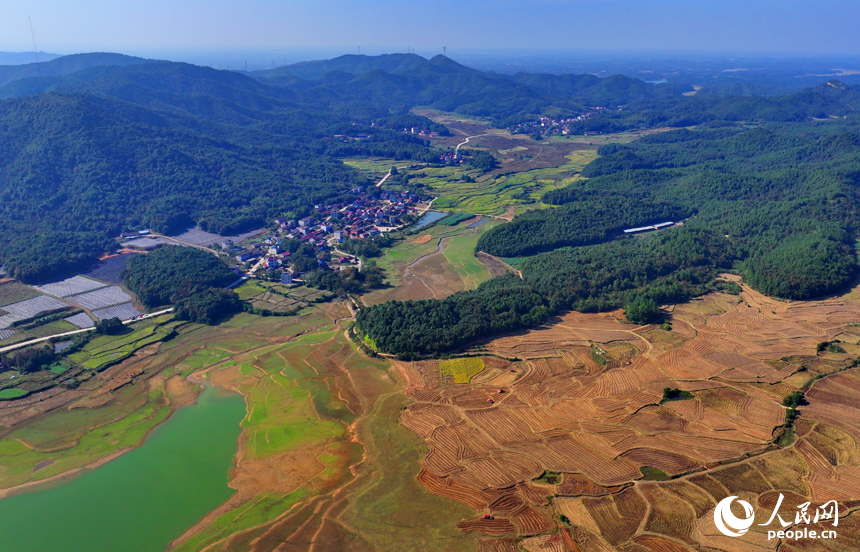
(771, 26)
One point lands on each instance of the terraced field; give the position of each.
(599, 426)
(493, 195)
(105, 350)
(277, 298)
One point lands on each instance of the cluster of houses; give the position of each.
(547, 125)
(451, 157)
(269, 255)
(363, 136)
(364, 217)
(420, 132)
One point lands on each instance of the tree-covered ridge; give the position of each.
(64, 65)
(667, 267)
(188, 278)
(401, 81)
(830, 99)
(590, 218)
(170, 274)
(786, 195)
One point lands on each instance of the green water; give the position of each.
(142, 500)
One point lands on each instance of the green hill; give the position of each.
(64, 65)
(76, 170)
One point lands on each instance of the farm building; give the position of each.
(648, 228)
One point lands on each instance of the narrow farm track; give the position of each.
(185, 243)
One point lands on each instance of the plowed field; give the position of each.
(491, 440)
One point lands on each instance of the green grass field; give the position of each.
(13, 292)
(375, 165)
(249, 290)
(12, 393)
(488, 195)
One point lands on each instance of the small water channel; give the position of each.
(142, 500)
(429, 218)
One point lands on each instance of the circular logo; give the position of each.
(729, 524)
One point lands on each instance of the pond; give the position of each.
(142, 500)
(429, 218)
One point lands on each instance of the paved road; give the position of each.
(384, 178)
(74, 332)
(189, 244)
(467, 141)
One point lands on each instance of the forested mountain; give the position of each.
(402, 81)
(76, 171)
(64, 65)
(358, 64)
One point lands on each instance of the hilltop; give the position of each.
(64, 65)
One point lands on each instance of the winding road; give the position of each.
(466, 141)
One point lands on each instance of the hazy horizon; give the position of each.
(161, 28)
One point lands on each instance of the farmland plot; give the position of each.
(110, 270)
(100, 298)
(600, 427)
(28, 309)
(15, 292)
(81, 320)
(70, 286)
(124, 312)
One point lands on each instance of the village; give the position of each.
(366, 217)
(547, 125)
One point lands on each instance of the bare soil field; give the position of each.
(422, 239)
(601, 427)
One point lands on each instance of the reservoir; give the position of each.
(142, 500)
(430, 217)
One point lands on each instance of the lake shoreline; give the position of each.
(144, 500)
(33, 486)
